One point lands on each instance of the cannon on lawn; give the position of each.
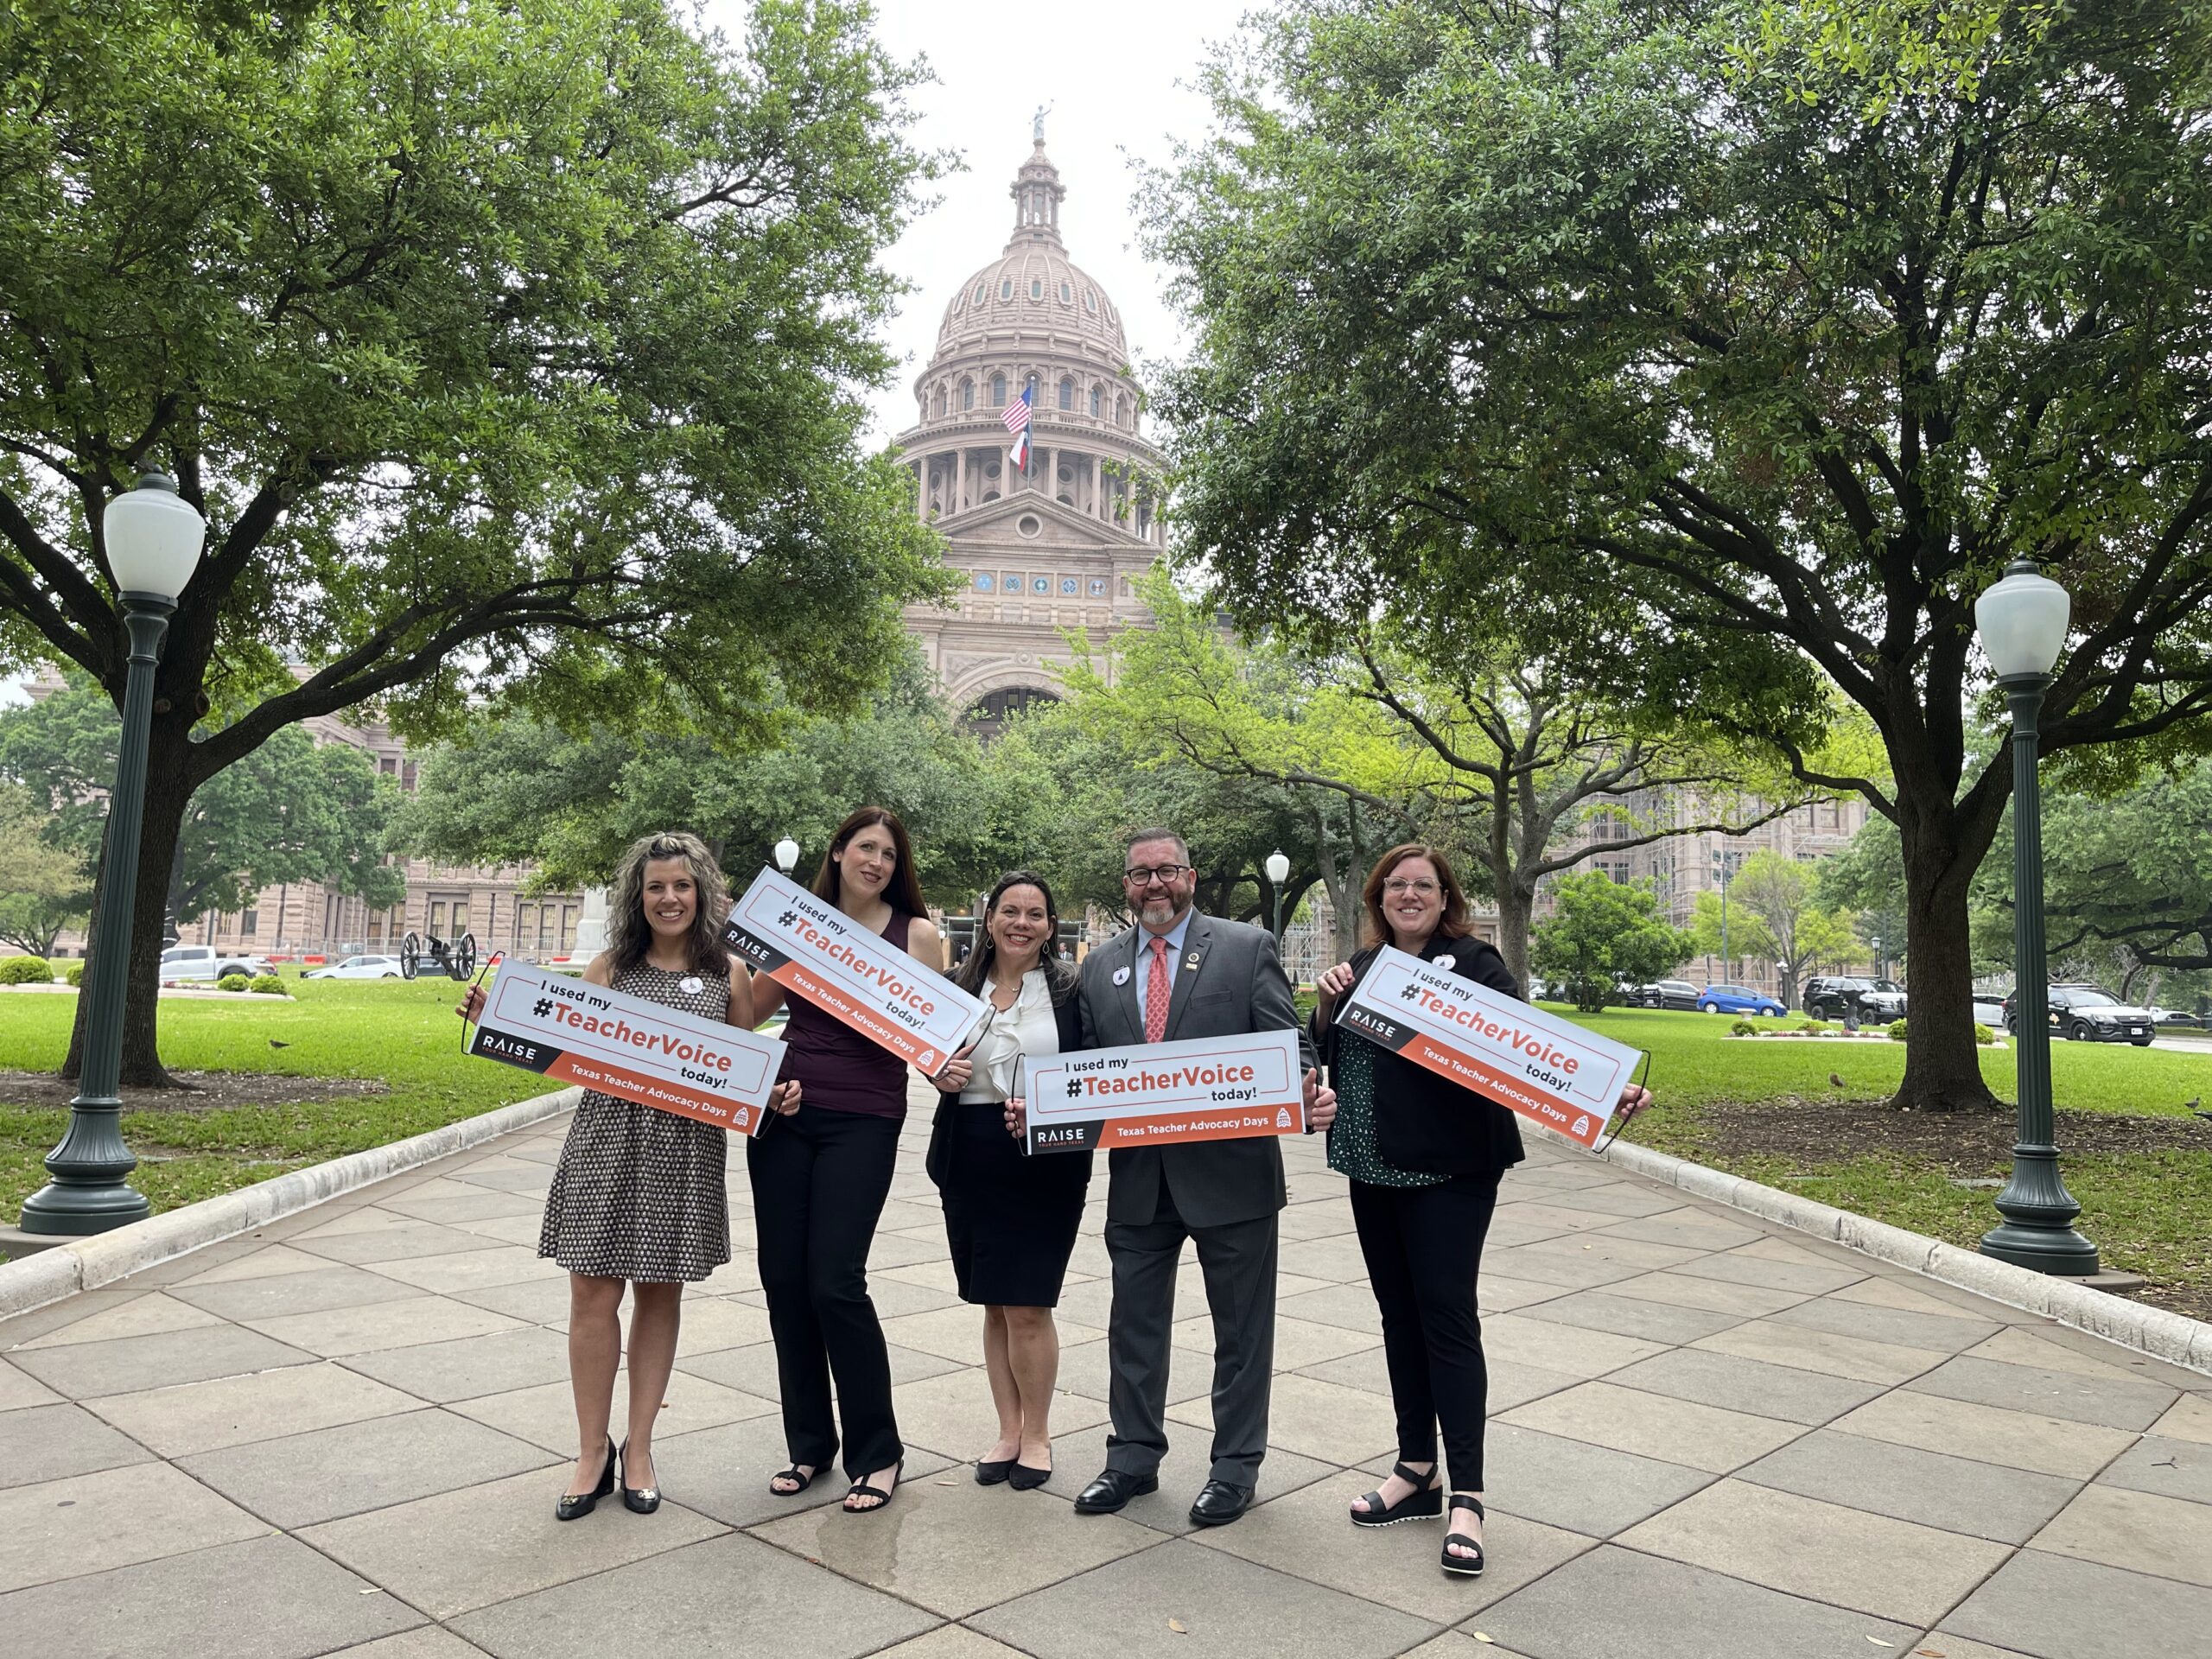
(457, 960)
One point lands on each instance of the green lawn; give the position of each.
(402, 1032)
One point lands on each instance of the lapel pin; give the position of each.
(1443, 960)
(1121, 976)
(692, 985)
(1191, 961)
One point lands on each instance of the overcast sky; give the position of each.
(1119, 75)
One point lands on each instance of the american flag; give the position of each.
(1017, 422)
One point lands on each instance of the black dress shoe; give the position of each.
(1221, 1503)
(1112, 1489)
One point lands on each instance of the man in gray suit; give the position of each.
(1175, 976)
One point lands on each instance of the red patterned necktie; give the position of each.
(1156, 992)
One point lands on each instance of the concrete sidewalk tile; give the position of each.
(1520, 1339)
(464, 1203)
(1949, 1334)
(1314, 1419)
(722, 1472)
(539, 1302)
(189, 1417)
(752, 1369)
(484, 1269)
(1628, 1197)
(1942, 1644)
(2058, 1608)
(2189, 1418)
(41, 1443)
(1308, 1534)
(1811, 1350)
(362, 1218)
(1715, 1295)
(1892, 1287)
(2062, 1348)
(951, 1641)
(1350, 1306)
(1570, 1268)
(1085, 1369)
(1077, 1457)
(525, 1229)
(1221, 1606)
(142, 1316)
(417, 1238)
(1323, 1218)
(1631, 1316)
(1743, 1266)
(2175, 1468)
(2143, 1532)
(18, 1392)
(1691, 1229)
(529, 1180)
(1848, 1558)
(261, 1262)
(2113, 1402)
(465, 1549)
(1611, 1246)
(1553, 1210)
(891, 1250)
(957, 1332)
(331, 1472)
(371, 1326)
(1338, 1259)
(328, 1286)
(1576, 1486)
(1496, 1294)
(1615, 1603)
(960, 1547)
(423, 1641)
(1299, 1343)
(733, 1596)
(1966, 1428)
(87, 1523)
(1752, 1385)
(1956, 1494)
(469, 1367)
(1655, 1426)
(951, 1414)
(263, 1599)
(713, 1323)
(546, 1415)
(90, 1370)
(17, 1329)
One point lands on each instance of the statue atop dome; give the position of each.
(1037, 125)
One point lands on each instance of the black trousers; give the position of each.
(1424, 1248)
(819, 1180)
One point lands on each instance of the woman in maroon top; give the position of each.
(819, 1180)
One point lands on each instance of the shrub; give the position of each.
(233, 982)
(1815, 1028)
(26, 970)
(74, 972)
(267, 984)
(1982, 1034)
(1743, 1028)
(1896, 1030)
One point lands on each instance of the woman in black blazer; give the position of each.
(1424, 1156)
(1011, 1218)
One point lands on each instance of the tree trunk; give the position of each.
(1514, 906)
(167, 794)
(1943, 1067)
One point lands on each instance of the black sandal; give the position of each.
(792, 1473)
(861, 1488)
(1424, 1503)
(1466, 1566)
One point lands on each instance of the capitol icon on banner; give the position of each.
(1282, 1117)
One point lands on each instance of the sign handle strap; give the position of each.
(1644, 1082)
(490, 963)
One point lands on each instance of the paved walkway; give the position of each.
(1710, 1437)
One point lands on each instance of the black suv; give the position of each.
(2089, 1013)
(1876, 1001)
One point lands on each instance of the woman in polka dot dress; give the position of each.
(637, 1196)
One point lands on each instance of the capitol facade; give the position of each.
(1061, 543)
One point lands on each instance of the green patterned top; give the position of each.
(1352, 1150)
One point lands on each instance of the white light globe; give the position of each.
(1278, 867)
(2022, 622)
(154, 537)
(786, 855)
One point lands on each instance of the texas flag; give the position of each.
(1017, 422)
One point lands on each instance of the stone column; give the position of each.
(960, 478)
(1097, 485)
(922, 491)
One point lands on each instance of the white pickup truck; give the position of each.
(204, 962)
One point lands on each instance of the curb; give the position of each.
(2172, 1337)
(102, 1258)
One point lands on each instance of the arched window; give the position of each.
(1090, 301)
(940, 400)
(998, 391)
(983, 292)
(1067, 294)
(1121, 410)
(1036, 288)
(967, 394)
(1006, 288)
(1067, 394)
(959, 304)
(1097, 401)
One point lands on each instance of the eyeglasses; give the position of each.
(1397, 887)
(1167, 872)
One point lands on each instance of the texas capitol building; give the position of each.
(1060, 544)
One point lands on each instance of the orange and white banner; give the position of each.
(821, 955)
(1156, 1094)
(626, 1047)
(1551, 1070)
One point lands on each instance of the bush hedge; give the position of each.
(1984, 1036)
(1743, 1028)
(73, 972)
(1896, 1030)
(233, 982)
(26, 970)
(267, 985)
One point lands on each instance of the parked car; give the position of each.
(1876, 1001)
(1667, 993)
(2174, 1018)
(1736, 999)
(358, 968)
(1987, 1011)
(2089, 1013)
(199, 962)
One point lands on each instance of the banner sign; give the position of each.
(1155, 1094)
(820, 955)
(628, 1048)
(1562, 1075)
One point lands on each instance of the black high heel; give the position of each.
(638, 1500)
(1464, 1566)
(861, 1488)
(1424, 1503)
(573, 1506)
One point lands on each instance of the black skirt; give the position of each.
(1010, 1218)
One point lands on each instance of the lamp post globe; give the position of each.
(1278, 868)
(2021, 621)
(151, 538)
(786, 855)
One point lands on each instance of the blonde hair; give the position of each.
(629, 935)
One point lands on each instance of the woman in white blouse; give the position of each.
(1011, 1218)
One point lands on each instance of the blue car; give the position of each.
(1736, 999)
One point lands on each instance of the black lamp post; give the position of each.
(1278, 867)
(152, 538)
(2022, 623)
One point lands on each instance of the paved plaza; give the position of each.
(1710, 1437)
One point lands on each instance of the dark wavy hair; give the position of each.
(974, 969)
(630, 935)
(1453, 925)
(905, 889)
